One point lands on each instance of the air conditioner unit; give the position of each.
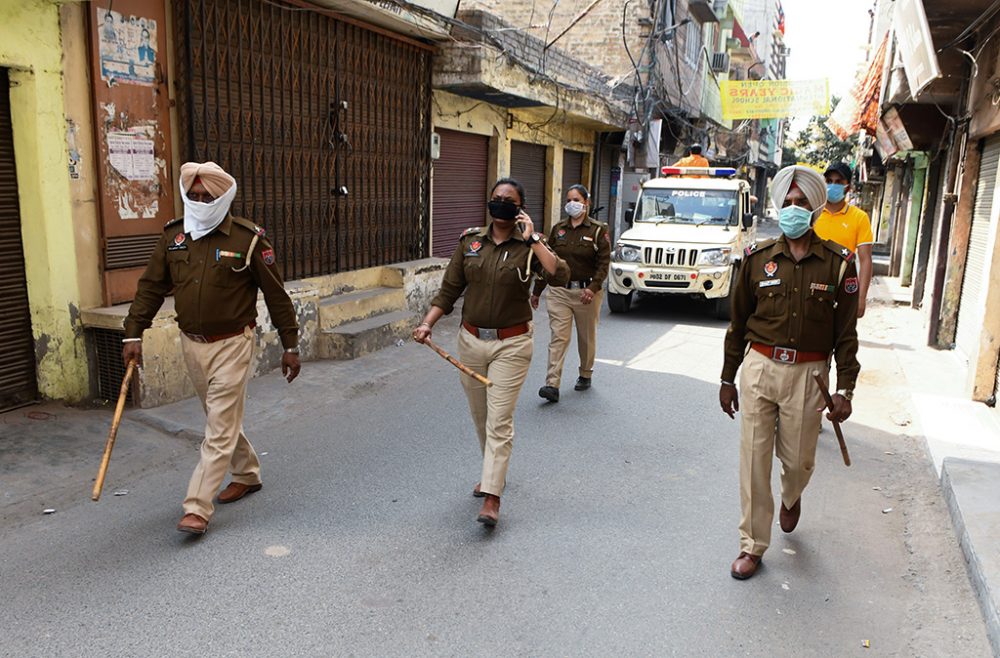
(720, 62)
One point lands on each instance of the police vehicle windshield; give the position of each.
(695, 207)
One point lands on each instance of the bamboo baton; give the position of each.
(836, 425)
(119, 408)
(458, 364)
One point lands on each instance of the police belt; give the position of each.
(787, 354)
(497, 334)
(198, 338)
(582, 283)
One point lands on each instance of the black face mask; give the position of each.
(503, 210)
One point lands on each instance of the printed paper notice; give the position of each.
(127, 47)
(131, 155)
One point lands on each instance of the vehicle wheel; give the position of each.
(723, 305)
(723, 308)
(619, 303)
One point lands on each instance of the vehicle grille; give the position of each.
(668, 284)
(674, 257)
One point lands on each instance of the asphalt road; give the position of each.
(616, 534)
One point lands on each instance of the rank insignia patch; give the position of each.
(851, 285)
(268, 256)
(770, 268)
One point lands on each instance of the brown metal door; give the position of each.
(460, 188)
(131, 110)
(18, 384)
(324, 122)
(572, 173)
(527, 166)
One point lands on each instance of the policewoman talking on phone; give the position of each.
(493, 266)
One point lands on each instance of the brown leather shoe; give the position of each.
(489, 514)
(193, 524)
(237, 490)
(790, 517)
(476, 492)
(745, 566)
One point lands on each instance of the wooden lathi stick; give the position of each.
(836, 425)
(458, 364)
(119, 408)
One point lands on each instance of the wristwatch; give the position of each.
(846, 393)
(291, 350)
(534, 239)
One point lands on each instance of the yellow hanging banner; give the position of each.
(774, 99)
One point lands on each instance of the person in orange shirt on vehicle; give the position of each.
(695, 159)
(847, 225)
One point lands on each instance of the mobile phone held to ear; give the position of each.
(520, 227)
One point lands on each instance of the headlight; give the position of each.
(717, 257)
(625, 253)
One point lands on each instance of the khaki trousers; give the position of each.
(505, 363)
(564, 306)
(786, 396)
(219, 372)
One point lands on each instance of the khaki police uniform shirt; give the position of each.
(496, 279)
(805, 305)
(210, 297)
(586, 249)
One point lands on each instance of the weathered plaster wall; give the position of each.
(528, 125)
(31, 46)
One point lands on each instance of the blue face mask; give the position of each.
(835, 192)
(794, 221)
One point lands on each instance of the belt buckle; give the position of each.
(785, 355)
(489, 334)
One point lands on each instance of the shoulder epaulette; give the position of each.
(247, 224)
(470, 231)
(840, 250)
(172, 222)
(757, 246)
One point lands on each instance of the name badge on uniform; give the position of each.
(588, 238)
(769, 282)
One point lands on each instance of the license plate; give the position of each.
(667, 276)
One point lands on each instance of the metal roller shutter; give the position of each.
(460, 188)
(527, 166)
(18, 384)
(602, 198)
(324, 123)
(970, 310)
(572, 173)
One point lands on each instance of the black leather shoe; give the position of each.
(550, 393)
(582, 384)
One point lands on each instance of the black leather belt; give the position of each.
(582, 283)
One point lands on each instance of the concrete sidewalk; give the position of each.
(963, 443)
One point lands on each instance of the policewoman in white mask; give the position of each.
(214, 263)
(585, 245)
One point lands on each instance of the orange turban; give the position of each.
(212, 176)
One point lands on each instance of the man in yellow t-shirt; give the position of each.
(696, 159)
(847, 225)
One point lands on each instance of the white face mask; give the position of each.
(574, 208)
(200, 219)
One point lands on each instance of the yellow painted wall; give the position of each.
(31, 47)
(528, 125)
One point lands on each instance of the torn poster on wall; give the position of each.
(127, 48)
(131, 155)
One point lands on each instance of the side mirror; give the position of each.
(748, 219)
